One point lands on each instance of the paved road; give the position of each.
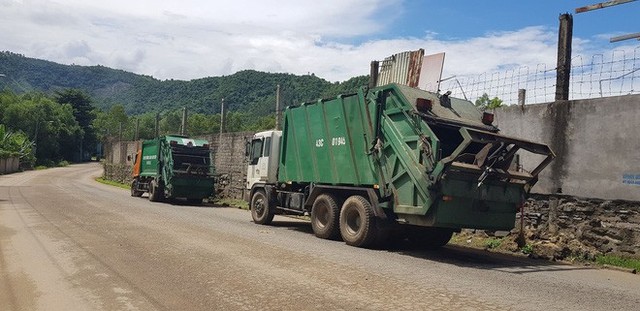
(69, 243)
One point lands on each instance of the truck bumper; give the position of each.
(191, 188)
(491, 206)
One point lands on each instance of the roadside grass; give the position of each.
(619, 261)
(51, 164)
(112, 183)
(241, 204)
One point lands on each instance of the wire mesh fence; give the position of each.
(601, 75)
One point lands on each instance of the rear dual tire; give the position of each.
(325, 217)
(156, 191)
(358, 222)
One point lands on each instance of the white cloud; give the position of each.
(198, 38)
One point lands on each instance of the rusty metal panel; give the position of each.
(402, 68)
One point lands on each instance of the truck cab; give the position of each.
(263, 154)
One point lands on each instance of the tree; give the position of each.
(108, 124)
(84, 113)
(171, 123)
(485, 103)
(52, 127)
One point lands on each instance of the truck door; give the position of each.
(258, 168)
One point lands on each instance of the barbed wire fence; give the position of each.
(617, 73)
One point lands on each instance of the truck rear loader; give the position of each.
(171, 167)
(363, 165)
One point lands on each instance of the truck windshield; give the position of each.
(256, 151)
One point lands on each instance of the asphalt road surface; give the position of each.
(70, 243)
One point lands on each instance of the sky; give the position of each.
(333, 39)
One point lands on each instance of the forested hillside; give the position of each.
(248, 91)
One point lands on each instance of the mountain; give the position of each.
(249, 91)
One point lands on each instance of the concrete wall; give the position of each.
(230, 162)
(117, 152)
(597, 143)
(9, 165)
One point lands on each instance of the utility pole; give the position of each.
(137, 135)
(183, 127)
(522, 95)
(278, 112)
(222, 117)
(563, 70)
(373, 74)
(157, 124)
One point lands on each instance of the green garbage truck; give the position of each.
(392, 157)
(171, 167)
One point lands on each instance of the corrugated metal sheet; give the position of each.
(402, 68)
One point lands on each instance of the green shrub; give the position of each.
(492, 243)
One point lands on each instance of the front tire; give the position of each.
(325, 217)
(262, 211)
(357, 222)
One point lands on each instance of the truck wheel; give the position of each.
(262, 211)
(156, 193)
(134, 189)
(357, 222)
(430, 237)
(325, 217)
